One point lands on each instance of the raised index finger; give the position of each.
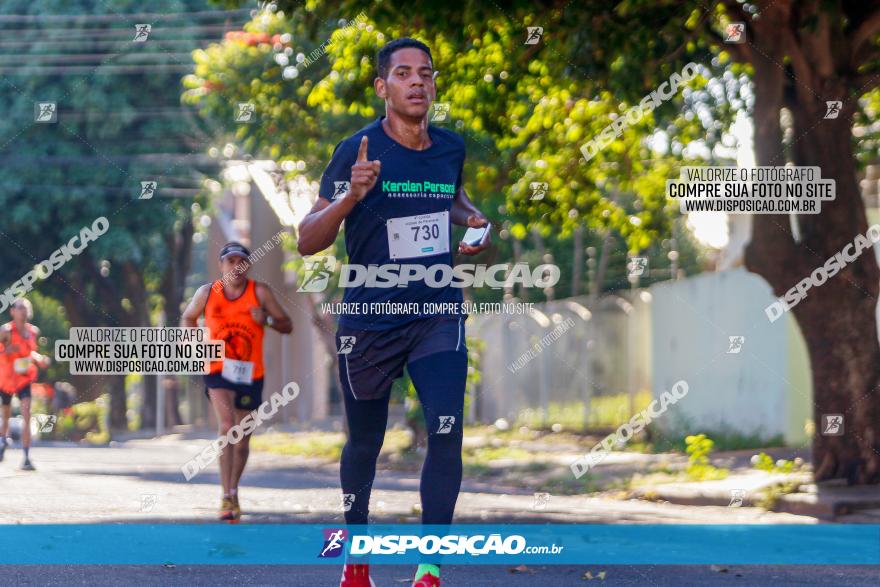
(362, 150)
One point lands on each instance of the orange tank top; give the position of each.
(17, 369)
(231, 322)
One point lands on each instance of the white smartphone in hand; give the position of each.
(474, 237)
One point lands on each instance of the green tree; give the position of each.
(531, 106)
(119, 122)
(798, 56)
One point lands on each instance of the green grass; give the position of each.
(478, 470)
(487, 454)
(322, 445)
(764, 462)
(614, 410)
(605, 411)
(724, 441)
(566, 484)
(770, 496)
(512, 433)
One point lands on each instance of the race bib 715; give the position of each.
(238, 371)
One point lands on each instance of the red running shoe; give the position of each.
(427, 580)
(356, 576)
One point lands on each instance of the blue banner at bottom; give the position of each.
(309, 544)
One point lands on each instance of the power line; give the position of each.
(142, 16)
(98, 42)
(87, 57)
(163, 158)
(126, 190)
(118, 32)
(100, 69)
(133, 113)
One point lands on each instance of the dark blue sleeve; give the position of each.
(337, 175)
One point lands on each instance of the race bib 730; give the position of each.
(424, 235)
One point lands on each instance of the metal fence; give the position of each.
(564, 363)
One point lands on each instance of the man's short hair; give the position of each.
(26, 304)
(383, 57)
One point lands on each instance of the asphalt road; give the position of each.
(141, 482)
(77, 484)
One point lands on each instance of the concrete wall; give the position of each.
(606, 352)
(764, 390)
(558, 373)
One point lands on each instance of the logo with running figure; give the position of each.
(541, 500)
(317, 273)
(539, 190)
(245, 112)
(334, 542)
(832, 424)
(636, 266)
(832, 109)
(446, 423)
(736, 498)
(340, 188)
(346, 344)
(346, 500)
(148, 502)
(148, 188)
(441, 111)
(142, 33)
(735, 33)
(736, 344)
(45, 112)
(45, 422)
(533, 34)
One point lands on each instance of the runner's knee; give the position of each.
(224, 426)
(446, 445)
(364, 447)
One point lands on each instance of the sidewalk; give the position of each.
(746, 486)
(140, 481)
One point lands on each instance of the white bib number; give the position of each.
(22, 365)
(238, 371)
(424, 235)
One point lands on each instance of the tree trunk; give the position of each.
(170, 386)
(837, 318)
(844, 350)
(118, 417)
(149, 385)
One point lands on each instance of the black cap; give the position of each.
(234, 249)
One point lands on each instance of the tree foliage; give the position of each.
(119, 122)
(523, 110)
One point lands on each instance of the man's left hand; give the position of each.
(475, 221)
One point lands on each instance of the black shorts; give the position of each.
(247, 396)
(23, 393)
(375, 358)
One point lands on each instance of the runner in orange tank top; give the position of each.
(19, 360)
(235, 309)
